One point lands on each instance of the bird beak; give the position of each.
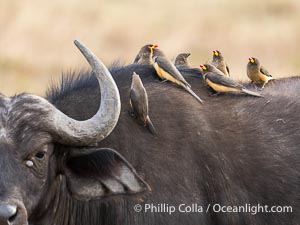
(251, 59)
(152, 47)
(203, 67)
(215, 52)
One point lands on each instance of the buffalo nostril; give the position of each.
(8, 212)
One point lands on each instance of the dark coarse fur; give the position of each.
(232, 150)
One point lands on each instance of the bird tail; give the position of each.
(150, 126)
(251, 92)
(193, 93)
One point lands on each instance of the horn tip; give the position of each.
(86, 52)
(77, 43)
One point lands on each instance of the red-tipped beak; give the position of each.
(249, 58)
(155, 46)
(201, 66)
(214, 51)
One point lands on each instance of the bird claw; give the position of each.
(262, 87)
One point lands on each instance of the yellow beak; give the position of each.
(203, 67)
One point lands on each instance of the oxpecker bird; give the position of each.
(139, 102)
(221, 83)
(181, 59)
(219, 62)
(146, 53)
(165, 69)
(257, 73)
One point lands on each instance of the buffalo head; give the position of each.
(33, 169)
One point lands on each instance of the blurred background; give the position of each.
(36, 37)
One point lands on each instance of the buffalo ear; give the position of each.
(99, 173)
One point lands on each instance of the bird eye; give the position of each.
(40, 154)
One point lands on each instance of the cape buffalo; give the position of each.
(71, 160)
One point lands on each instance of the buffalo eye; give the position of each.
(40, 154)
(37, 160)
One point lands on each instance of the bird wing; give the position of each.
(169, 67)
(139, 101)
(264, 71)
(222, 80)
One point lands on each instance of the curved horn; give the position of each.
(95, 129)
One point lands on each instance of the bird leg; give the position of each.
(163, 81)
(215, 94)
(262, 87)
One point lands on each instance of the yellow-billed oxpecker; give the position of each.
(257, 73)
(146, 53)
(219, 62)
(165, 69)
(139, 102)
(221, 83)
(181, 59)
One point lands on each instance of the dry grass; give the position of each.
(36, 36)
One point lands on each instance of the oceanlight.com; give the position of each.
(217, 208)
